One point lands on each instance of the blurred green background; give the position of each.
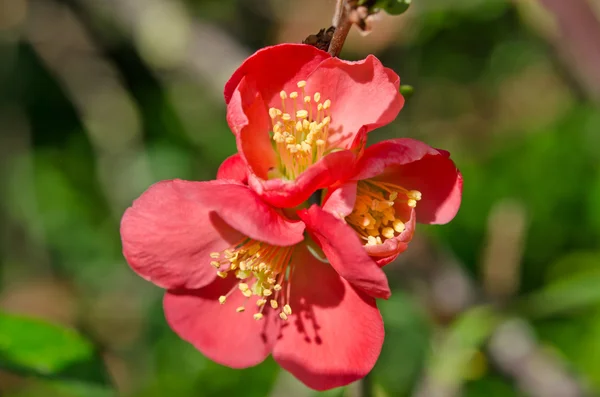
(101, 98)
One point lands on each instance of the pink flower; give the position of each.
(244, 282)
(301, 117)
(395, 184)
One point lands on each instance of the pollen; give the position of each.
(300, 131)
(263, 272)
(375, 217)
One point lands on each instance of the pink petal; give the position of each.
(167, 239)
(171, 229)
(282, 193)
(345, 252)
(335, 333)
(233, 168)
(416, 166)
(217, 330)
(276, 68)
(244, 211)
(364, 95)
(340, 202)
(249, 120)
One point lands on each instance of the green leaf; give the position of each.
(576, 292)
(393, 7)
(407, 91)
(33, 347)
(461, 344)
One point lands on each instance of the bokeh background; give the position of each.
(101, 98)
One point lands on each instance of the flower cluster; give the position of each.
(282, 254)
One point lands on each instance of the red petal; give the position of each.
(217, 330)
(233, 168)
(249, 120)
(167, 239)
(276, 68)
(392, 247)
(363, 94)
(345, 252)
(340, 202)
(243, 210)
(170, 231)
(415, 165)
(335, 333)
(281, 193)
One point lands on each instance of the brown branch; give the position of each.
(342, 25)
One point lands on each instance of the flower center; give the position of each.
(300, 131)
(263, 270)
(374, 216)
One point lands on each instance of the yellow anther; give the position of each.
(320, 142)
(258, 316)
(411, 203)
(267, 292)
(301, 84)
(326, 120)
(222, 274)
(287, 310)
(277, 287)
(387, 232)
(240, 309)
(261, 302)
(393, 196)
(371, 240)
(274, 304)
(293, 95)
(271, 280)
(327, 104)
(247, 293)
(398, 225)
(262, 267)
(215, 255)
(317, 97)
(415, 194)
(283, 316)
(243, 286)
(302, 114)
(215, 264)
(286, 117)
(222, 299)
(299, 126)
(307, 99)
(320, 107)
(283, 95)
(273, 113)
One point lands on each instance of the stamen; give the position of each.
(261, 269)
(301, 137)
(374, 215)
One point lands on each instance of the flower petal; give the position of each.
(217, 330)
(335, 333)
(276, 68)
(171, 229)
(415, 165)
(344, 251)
(340, 202)
(392, 247)
(234, 168)
(248, 118)
(167, 239)
(244, 211)
(364, 95)
(287, 194)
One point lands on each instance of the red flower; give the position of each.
(396, 183)
(235, 270)
(301, 117)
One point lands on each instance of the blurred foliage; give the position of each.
(87, 127)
